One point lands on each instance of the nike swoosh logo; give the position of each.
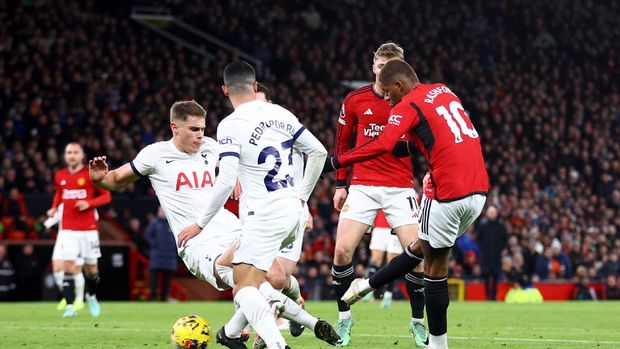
(169, 161)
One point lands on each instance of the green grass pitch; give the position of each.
(470, 325)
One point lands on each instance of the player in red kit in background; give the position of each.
(80, 238)
(454, 189)
(384, 183)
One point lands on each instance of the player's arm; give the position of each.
(111, 180)
(103, 198)
(347, 121)
(399, 123)
(57, 198)
(316, 152)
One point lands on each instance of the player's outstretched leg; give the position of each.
(399, 266)
(343, 275)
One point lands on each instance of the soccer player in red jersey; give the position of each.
(454, 189)
(80, 238)
(385, 182)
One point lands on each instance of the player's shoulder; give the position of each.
(208, 143)
(358, 94)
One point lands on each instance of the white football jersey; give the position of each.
(182, 183)
(262, 136)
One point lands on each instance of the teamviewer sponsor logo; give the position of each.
(373, 130)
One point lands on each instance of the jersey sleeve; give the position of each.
(103, 197)
(347, 121)
(57, 194)
(227, 139)
(402, 119)
(144, 163)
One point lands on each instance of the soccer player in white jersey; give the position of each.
(182, 172)
(290, 254)
(256, 143)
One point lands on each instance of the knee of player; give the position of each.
(342, 254)
(277, 279)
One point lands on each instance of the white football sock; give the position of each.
(59, 276)
(438, 342)
(292, 291)
(259, 314)
(292, 310)
(236, 324)
(343, 315)
(79, 287)
(364, 284)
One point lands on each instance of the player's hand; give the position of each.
(52, 211)
(427, 177)
(82, 205)
(97, 168)
(340, 196)
(188, 233)
(236, 193)
(309, 223)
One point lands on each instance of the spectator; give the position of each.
(6, 275)
(28, 273)
(560, 263)
(162, 254)
(492, 240)
(582, 291)
(612, 291)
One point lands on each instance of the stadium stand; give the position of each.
(541, 83)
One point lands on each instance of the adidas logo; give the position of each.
(368, 112)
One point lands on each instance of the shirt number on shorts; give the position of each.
(270, 183)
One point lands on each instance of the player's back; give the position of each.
(448, 140)
(364, 115)
(264, 133)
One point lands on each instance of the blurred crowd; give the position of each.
(540, 81)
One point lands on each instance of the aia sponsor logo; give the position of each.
(194, 180)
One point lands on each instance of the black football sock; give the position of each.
(415, 290)
(437, 301)
(342, 275)
(68, 288)
(398, 266)
(92, 284)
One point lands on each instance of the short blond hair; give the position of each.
(182, 109)
(389, 50)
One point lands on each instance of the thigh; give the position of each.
(200, 260)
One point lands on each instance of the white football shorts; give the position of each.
(56, 252)
(363, 202)
(441, 223)
(75, 244)
(267, 227)
(383, 240)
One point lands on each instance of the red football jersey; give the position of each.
(74, 187)
(380, 221)
(434, 118)
(366, 113)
